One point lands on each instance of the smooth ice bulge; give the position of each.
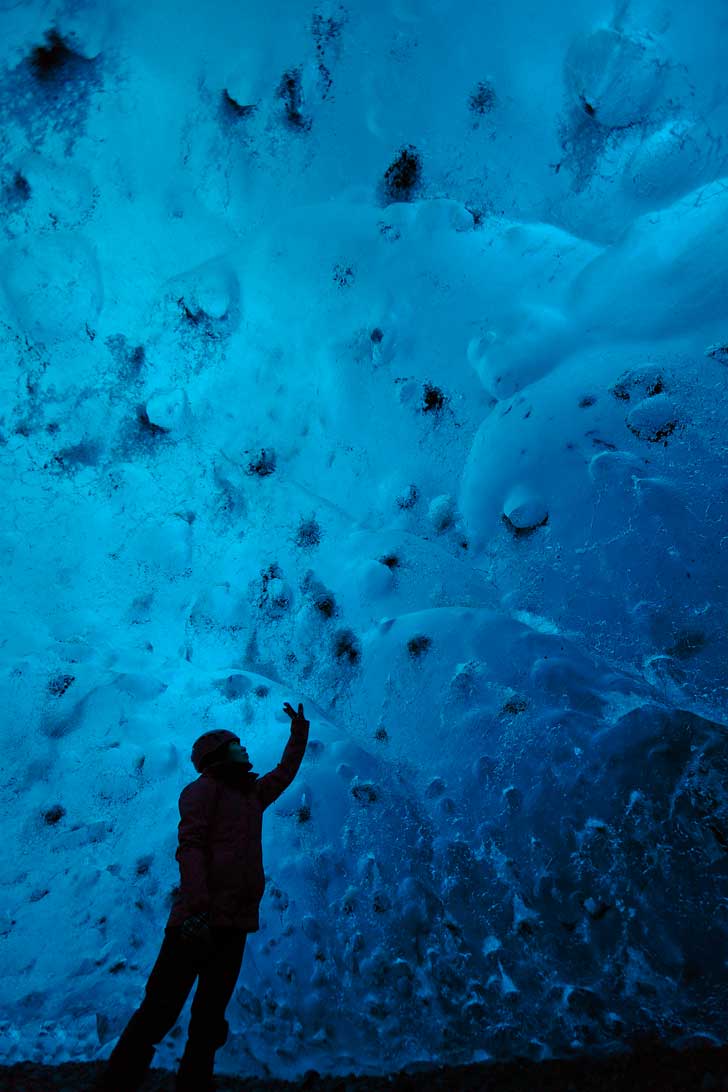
(53, 285)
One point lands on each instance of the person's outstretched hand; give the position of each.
(298, 720)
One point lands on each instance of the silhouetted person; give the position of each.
(222, 882)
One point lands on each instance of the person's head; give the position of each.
(217, 747)
(235, 753)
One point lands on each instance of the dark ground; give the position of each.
(654, 1069)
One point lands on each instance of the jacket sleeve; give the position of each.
(195, 809)
(271, 785)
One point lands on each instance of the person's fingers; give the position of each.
(292, 712)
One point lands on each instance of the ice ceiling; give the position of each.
(371, 356)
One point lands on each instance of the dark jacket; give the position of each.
(220, 850)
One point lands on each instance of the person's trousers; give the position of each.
(179, 963)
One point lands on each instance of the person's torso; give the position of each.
(235, 848)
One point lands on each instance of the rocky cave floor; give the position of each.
(695, 1069)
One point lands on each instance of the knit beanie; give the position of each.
(204, 748)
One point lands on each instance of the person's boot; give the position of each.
(195, 1073)
(114, 1081)
(127, 1066)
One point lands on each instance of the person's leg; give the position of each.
(167, 989)
(208, 1029)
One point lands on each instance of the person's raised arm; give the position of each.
(271, 785)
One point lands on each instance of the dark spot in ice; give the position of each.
(720, 836)
(136, 358)
(308, 534)
(261, 691)
(409, 498)
(587, 400)
(234, 109)
(417, 646)
(343, 276)
(687, 644)
(390, 232)
(59, 684)
(147, 427)
(193, 317)
(129, 359)
(390, 560)
(382, 735)
(523, 532)
(290, 91)
(513, 798)
(325, 31)
(50, 90)
(433, 399)
(376, 335)
(140, 607)
(632, 381)
(365, 792)
(403, 175)
(233, 687)
(325, 604)
(588, 108)
(304, 813)
(273, 572)
(435, 788)
(346, 646)
(53, 814)
(584, 1002)
(483, 99)
(49, 61)
(655, 436)
(17, 191)
(596, 910)
(264, 465)
(514, 705)
(85, 453)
